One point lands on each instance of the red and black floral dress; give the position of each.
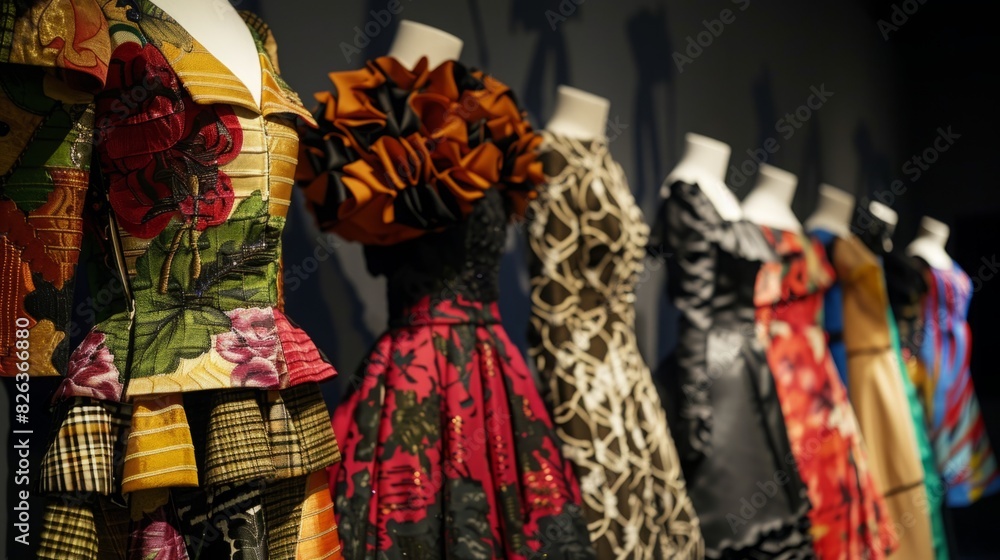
(448, 449)
(849, 516)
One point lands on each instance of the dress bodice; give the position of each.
(461, 261)
(946, 337)
(588, 239)
(790, 291)
(714, 262)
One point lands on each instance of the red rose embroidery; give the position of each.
(161, 151)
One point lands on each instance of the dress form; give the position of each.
(414, 41)
(770, 202)
(884, 213)
(220, 29)
(704, 164)
(579, 115)
(833, 213)
(930, 242)
(889, 217)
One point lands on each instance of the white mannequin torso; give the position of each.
(704, 164)
(220, 29)
(414, 41)
(579, 115)
(930, 242)
(770, 202)
(833, 213)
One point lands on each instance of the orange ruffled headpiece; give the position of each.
(399, 152)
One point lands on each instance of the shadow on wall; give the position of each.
(531, 16)
(479, 34)
(551, 48)
(875, 175)
(874, 171)
(649, 39)
(380, 42)
(654, 102)
(766, 112)
(811, 171)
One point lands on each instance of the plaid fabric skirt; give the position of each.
(206, 475)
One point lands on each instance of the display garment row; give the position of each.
(859, 337)
(848, 515)
(189, 422)
(209, 394)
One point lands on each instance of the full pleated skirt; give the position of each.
(448, 449)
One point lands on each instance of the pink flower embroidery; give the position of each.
(252, 345)
(156, 538)
(91, 371)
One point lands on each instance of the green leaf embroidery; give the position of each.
(238, 269)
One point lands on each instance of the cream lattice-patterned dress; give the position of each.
(588, 240)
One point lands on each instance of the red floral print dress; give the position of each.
(848, 515)
(448, 449)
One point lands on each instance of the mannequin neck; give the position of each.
(769, 203)
(833, 212)
(414, 41)
(704, 164)
(884, 213)
(579, 115)
(929, 245)
(220, 29)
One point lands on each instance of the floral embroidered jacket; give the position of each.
(115, 121)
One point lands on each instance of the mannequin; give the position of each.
(414, 41)
(770, 202)
(220, 29)
(833, 213)
(704, 164)
(884, 213)
(930, 242)
(887, 216)
(579, 115)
